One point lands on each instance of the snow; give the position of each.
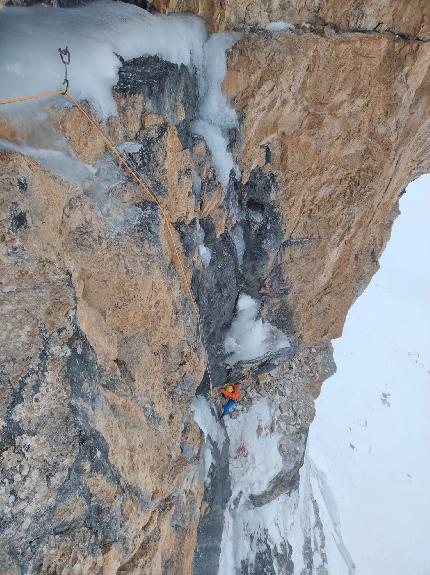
(95, 35)
(370, 441)
(254, 459)
(204, 252)
(279, 27)
(216, 115)
(30, 37)
(249, 337)
(212, 430)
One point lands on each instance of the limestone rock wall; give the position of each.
(101, 355)
(341, 121)
(406, 17)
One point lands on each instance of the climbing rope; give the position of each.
(65, 58)
(33, 97)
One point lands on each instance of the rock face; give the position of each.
(102, 357)
(340, 121)
(408, 18)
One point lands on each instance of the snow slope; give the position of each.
(371, 435)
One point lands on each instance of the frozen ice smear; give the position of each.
(212, 430)
(250, 337)
(30, 37)
(207, 421)
(59, 161)
(204, 252)
(239, 242)
(117, 216)
(279, 27)
(98, 182)
(216, 115)
(129, 147)
(96, 35)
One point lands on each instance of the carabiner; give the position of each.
(64, 55)
(66, 86)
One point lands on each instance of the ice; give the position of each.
(279, 27)
(212, 430)
(250, 337)
(58, 161)
(94, 33)
(216, 116)
(204, 252)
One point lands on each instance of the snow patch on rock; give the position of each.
(204, 252)
(216, 115)
(95, 34)
(249, 337)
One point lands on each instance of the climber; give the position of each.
(232, 393)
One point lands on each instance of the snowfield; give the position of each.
(371, 434)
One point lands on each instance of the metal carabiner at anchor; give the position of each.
(65, 58)
(64, 55)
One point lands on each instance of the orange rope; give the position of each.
(34, 97)
(123, 162)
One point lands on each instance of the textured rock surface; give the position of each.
(100, 360)
(408, 17)
(101, 356)
(340, 122)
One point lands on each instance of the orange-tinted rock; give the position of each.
(97, 337)
(345, 133)
(101, 353)
(409, 17)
